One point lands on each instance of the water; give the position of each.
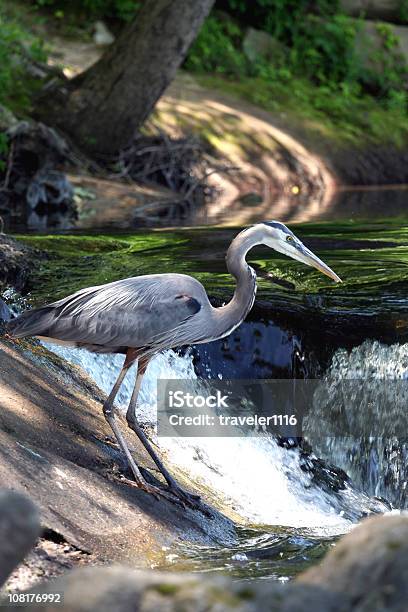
(366, 203)
(259, 554)
(362, 204)
(377, 462)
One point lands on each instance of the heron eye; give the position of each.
(289, 239)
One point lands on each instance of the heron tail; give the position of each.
(32, 323)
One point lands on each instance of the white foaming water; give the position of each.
(370, 361)
(261, 481)
(376, 462)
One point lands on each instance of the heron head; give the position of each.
(277, 236)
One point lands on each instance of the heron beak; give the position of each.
(306, 256)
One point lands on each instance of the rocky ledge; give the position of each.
(59, 450)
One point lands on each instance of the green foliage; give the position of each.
(319, 44)
(93, 9)
(216, 49)
(284, 19)
(316, 70)
(323, 49)
(17, 47)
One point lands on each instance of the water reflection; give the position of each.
(354, 204)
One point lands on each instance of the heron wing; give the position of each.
(134, 312)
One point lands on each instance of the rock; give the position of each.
(260, 45)
(16, 262)
(19, 529)
(370, 564)
(59, 450)
(125, 590)
(34, 181)
(370, 43)
(389, 10)
(299, 597)
(102, 36)
(49, 187)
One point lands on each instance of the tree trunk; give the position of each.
(103, 107)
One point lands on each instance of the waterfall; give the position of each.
(258, 479)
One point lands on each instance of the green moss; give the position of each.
(394, 545)
(65, 246)
(166, 588)
(372, 260)
(246, 593)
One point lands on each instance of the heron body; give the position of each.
(144, 315)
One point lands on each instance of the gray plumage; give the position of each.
(131, 313)
(143, 315)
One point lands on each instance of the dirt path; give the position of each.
(276, 171)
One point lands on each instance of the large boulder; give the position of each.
(258, 44)
(102, 35)
(371, 42)
(370, 564)
(33, 184)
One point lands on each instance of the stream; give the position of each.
(292, 499)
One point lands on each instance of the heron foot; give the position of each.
(190, 499)
(157, 492)
(174, 494)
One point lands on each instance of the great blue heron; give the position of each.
(144, 315)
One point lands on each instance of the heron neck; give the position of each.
(233, 313)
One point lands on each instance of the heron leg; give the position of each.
(109, 414)
(131, 418)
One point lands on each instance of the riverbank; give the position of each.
(273, 135)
